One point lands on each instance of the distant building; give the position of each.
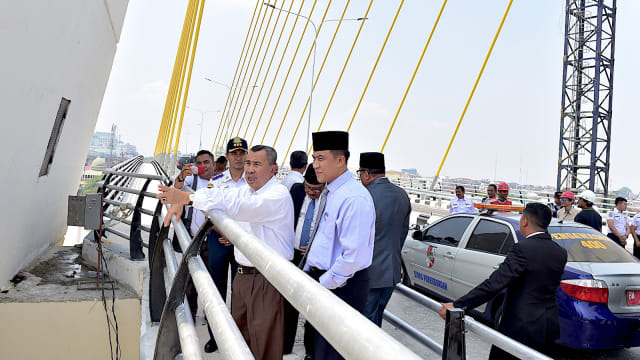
(410, 172)
(110, 147)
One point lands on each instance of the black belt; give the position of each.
(246, 270)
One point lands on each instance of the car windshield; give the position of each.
(589, 245)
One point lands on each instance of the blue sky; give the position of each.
(510, 131)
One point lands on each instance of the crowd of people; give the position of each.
(348, 235)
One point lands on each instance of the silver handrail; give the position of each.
(356, 337)
(228, 337)
(486, 333)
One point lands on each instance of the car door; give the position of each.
(480, 255)
(429, 260)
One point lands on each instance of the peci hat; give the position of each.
(310, 176)
(330, 140)
(372, 160)
(237, 143)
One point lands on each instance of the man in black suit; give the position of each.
(531, 273)
(306, 197)
(392, 224)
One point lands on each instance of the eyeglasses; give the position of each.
(313, 190)
(361, 171)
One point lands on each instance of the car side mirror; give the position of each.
(417, 235)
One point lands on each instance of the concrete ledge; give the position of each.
(121, 268)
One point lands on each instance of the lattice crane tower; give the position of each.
(587, 89)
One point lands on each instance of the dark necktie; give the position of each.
(306, 227)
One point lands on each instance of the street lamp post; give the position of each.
(202, 112)
(313, 63)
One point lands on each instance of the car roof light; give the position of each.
(589, 290)
(498, 207)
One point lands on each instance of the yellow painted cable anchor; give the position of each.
(413, 76)
(495, 38)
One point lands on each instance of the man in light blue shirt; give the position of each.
(461, 203)
(341, 250)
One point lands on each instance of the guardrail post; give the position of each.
(135, 238)
(454, 347)
(157, 291)
(154, 232)
(168, 340)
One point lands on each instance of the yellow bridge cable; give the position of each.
(326, 56)
(253, 84)
(169, 102)
(266, 74)
(304, 67)
(176, 107)
(486, 59)
(275, 76)
(375, 65)
(215, 139)
(244, 69)
(413, 76)
(346, 62)
(192, 57)
(243, 88)
(177, 94)
(225, 120)
(304, 30)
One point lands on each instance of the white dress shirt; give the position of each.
(464, 205)
(268, 211)
(303, 214)
(293, 177)
(198, 218)
(620, 221)
(343, 243)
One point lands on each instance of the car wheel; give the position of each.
(404, 277)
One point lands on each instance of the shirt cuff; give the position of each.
(331, 280)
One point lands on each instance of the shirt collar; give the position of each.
(227, 176)
(535, 233)
(337, 182)
(264, 187)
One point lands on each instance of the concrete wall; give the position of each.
(67, 330)
(50, 49)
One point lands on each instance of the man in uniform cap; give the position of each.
(340, 253)
(393, 208)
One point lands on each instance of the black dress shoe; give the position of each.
(210, 346)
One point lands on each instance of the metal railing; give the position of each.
(467, 323)
(355, 338)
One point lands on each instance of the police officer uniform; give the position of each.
(620, 222)
(464, 205)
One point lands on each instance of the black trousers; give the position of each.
(291, 322)
(354, 293)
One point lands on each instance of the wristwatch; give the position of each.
(178, 179)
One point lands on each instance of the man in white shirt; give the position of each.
(461, 203)
(618, 222)
(204, 160)
(634, 229)
(256, 306)
(341, 250)
(298, 162)
(220, 254)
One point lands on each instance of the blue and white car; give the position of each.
(599, 296)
